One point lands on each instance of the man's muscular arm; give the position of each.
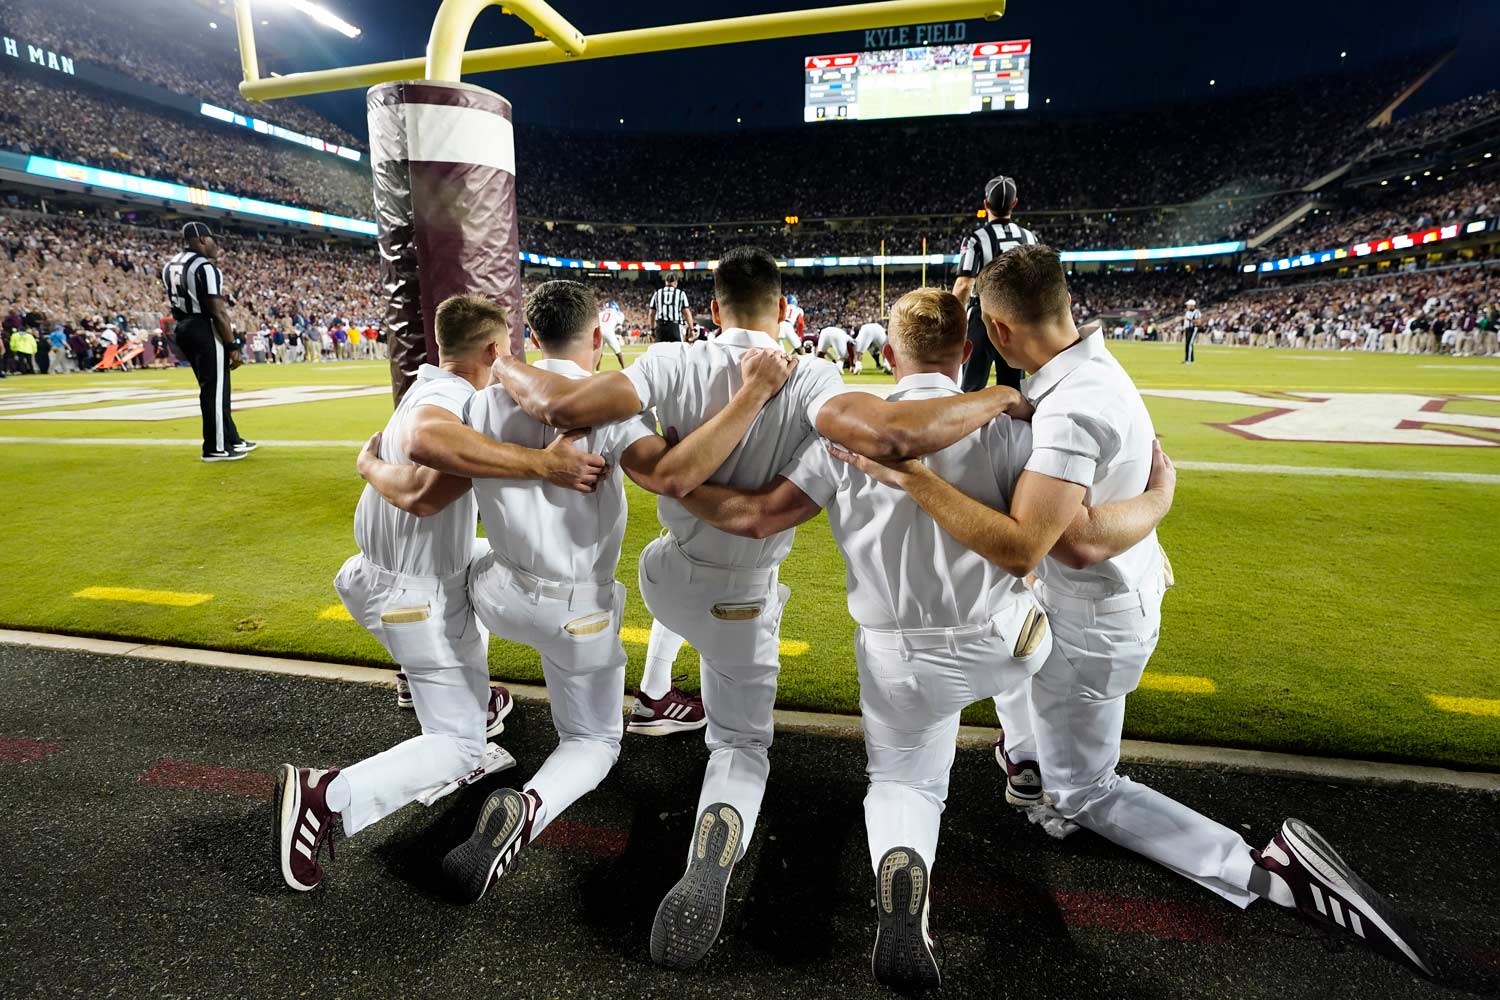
(676, 470)
(892, 430)
(559, 401)
(441, 441)
(415, 489)
(1041, 509)
(761, 513)
(1100, 533)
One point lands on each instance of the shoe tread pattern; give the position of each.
(903, 959)
(491, 848)
(688, 920)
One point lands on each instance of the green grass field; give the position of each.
(1324, 612)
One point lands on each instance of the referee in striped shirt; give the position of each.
(997, 235)
(195, 288)
(670, 313)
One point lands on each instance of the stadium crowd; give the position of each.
(100, 279)
(1453, 310)
(1376, 214)
(1435, 122)
(127, 36)
(78, 123)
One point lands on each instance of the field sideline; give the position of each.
(1320, 613)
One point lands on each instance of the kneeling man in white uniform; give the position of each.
(1092, 441)
(940, 627)
(408, 586)
(548, 580)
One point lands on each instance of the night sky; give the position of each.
(1089, 56)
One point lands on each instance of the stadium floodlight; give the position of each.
(447, 60)
(323, 16)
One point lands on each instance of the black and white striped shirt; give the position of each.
(988, 242)
(190, 278)
(669, 301)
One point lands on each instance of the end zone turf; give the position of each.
(1314, 613)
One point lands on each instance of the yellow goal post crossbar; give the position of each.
(447, 60)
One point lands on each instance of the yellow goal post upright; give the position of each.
(446, 58)
(442, 152)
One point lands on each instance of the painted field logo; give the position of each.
(140, 403)
(1352, 417)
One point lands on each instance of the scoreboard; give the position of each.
(927, 80)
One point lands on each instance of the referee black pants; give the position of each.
(1188, 343)
(976, 373)
(667, 332)
(205, 352)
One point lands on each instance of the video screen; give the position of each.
(927, 80)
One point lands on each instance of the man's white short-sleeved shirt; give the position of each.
(541, 528)
(687, 384)
(1092, 428)
(388, 536)
(904, 571)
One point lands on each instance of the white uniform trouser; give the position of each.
(732, 617)
(442, 650)
(575, 628)
(912, 687)
(612, 341)
(1099, 651)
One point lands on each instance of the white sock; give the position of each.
(338, 794)
(661, 653)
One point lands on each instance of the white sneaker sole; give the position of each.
(1319, 857)
(290, 796)
(664, 727)
(498, 726)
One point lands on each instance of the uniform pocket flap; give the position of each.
(737, 612)
(591, 624)
(1033, 631)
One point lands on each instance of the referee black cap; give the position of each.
(1000, 192)
(196, 231)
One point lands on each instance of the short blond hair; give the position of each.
(928, 325)
(466, 323)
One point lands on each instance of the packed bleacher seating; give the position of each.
(126, 36)
(79, 124)
(1380, 212)
(1451, 310)
(88, 271)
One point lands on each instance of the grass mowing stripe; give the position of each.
(633, 635)
(1466, 706)
(1177, 683)
(166, 598)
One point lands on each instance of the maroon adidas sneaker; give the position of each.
(500, 705)
(674, 712)
(1324, 888)
(504, 829)
(304, 823)
(1023, 778)
(403, 692)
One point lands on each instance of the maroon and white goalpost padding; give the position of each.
(444, 160)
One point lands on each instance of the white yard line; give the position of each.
(1414, 475)
(1411, 475)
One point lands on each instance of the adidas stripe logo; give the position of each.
(306, 833)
